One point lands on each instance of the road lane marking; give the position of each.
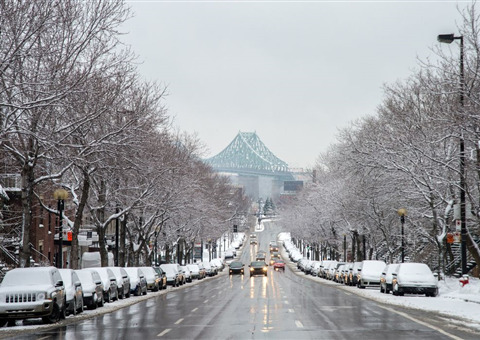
(164, 332)
(286, 302)
(205, 301)
(179, 321)
(299, 324)
(195, 309)
(422, 323)
(290, 310)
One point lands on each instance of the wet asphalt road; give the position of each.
(279, 306)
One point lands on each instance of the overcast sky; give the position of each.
(294, 72)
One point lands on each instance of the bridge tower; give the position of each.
(249, 163)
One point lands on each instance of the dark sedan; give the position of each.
(258, 268)
(236, 268)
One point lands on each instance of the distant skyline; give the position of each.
(293, 72)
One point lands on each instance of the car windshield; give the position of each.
(26, 278)
(236, 265)
(279, 261)
(132, 272)
(84, 276)
(258, 264)
(66, 277)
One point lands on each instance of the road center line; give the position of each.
(164, 332)
(179, 321)
(299, 324)
(205, 301)
(195, 309)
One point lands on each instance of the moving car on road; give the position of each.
(258, 268)
(236, 268)
(279, 265)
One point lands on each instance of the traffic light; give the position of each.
(235, 228)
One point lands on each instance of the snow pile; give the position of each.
(451, 288)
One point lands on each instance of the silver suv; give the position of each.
(32, 293)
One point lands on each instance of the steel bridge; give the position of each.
(256, 167)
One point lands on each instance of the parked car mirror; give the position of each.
(59, 284)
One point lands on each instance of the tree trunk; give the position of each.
(27, 194)
(78, 220)
(123, 236)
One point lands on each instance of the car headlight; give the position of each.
(41, 296)
(264, 269)
(251, 269)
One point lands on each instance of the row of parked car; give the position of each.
(52, 294)
(398, 278)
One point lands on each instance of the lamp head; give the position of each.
(402, 212)
(446, 38)
(60, 194)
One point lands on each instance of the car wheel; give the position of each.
(54, 316)
(63, 311)
(81, 309)
(3, 322)
(128, 293)
(74, 309)
(434, 293)
(145, 292)
(94, 303)
(102, 301)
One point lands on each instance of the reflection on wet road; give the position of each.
(282, 305)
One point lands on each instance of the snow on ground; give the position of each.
(460, 305)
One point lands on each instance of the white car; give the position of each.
(73, 291)
(32, 293)
(386, 278)
(229, 254)
(153, 280)
(218, 263)
(171, 271)
(92, 288)
(138, 282)
(187, 273)
(123, 282)
(414, 278)
(194, 270)
(110, 291)
(369, 274)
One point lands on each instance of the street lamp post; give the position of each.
(402, 212)
(60, 195)
(448, 39)
(345, 247)
(155, 251)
